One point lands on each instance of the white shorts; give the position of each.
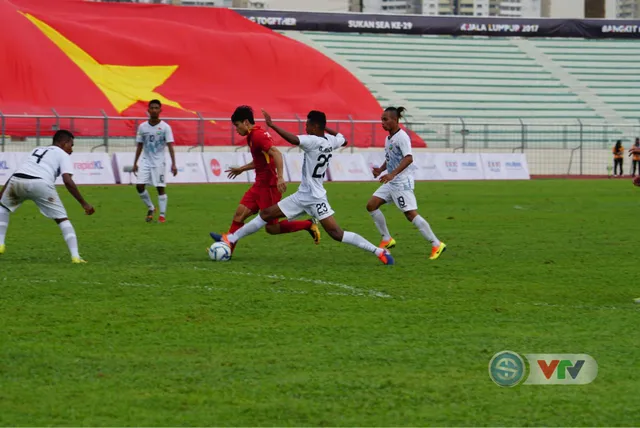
(402, 196)
(43, 194)
(152, 175)
(294, 205)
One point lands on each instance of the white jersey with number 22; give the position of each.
(317, 153)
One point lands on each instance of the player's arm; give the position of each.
(73, 189)
(379, 170)
(233, 172)
(404, 163)
(135, 159)
(335, 133)
(286, 135)
(168, 137)
(172, 154)
(279, 161)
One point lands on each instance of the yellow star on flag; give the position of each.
(122, 85)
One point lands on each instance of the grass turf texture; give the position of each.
(151, 332)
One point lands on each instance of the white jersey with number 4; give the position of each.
(46, 163)
(317, 153)
(396, 148)
(154, 139)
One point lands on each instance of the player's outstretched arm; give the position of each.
(286, 135)
(73, 189)
(233, 172)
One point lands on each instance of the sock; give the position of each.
(4, 224)
(69, 235)
(235, 226)
(381, 224)
(287, 226)
(358, 241)
(252, 227)
(162, 202)
(426, 231)
(146, 199)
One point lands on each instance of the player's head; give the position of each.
(64, 140)
(391, 118)
(243, 120)
(316, 123)
(155, 108)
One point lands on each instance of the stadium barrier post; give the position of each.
(200, 132)
(581, 145)
(57, 125)
(353, 132)
(300, 128)
(37, 131)
(2, 129)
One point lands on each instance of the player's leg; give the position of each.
(47, 199)
(239, 217)
(158, 177)
(10, 200)
(144, 178)
(379, 198)
(260, 221)
(271, 197)
(406, 201)
(332, 228)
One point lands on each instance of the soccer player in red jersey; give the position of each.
(269, 185)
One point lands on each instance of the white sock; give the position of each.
(358, 241)
(146, 199)
(69, 235)
(4, 223)
(426, 231)
(250, 228)
(381, 224)
(162, 202)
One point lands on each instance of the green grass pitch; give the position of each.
(151, 332)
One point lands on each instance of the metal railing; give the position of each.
(567, 147)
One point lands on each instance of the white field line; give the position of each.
(592, 308)
(354, 291)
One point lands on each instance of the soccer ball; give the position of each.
(219, 252)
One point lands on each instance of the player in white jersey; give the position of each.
(152, 137)
(311, 197)
(34, 180)
(398, 184)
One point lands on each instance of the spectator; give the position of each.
(618, 154)
(635, 152)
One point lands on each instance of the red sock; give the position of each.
(234, 226)
(287, 226)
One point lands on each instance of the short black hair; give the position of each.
(398, 111)
(62, 136)
(318, 118)
(154, 101)
(243, 113)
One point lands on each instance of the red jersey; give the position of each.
(260, 142)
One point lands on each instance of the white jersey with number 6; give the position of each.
(46, 163)
(317, 153)
(154, 139)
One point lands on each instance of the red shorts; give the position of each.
(260, 198)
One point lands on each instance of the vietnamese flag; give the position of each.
(83, 57)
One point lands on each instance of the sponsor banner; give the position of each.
(349, 167)
(425, 167)
(251, 175)
(217, 163)
(505, 166)
(293, 165)
(190, 168)
(458, 166)
(8, 164)
(91, 168)
(442, 25)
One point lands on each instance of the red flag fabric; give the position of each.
(83, 57)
